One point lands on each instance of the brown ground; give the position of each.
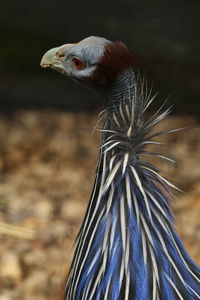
(47, 166)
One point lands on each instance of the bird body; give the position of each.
(127, 247)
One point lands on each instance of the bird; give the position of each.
(127, 247)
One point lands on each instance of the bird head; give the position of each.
(94, 61)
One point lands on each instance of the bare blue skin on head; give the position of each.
(89, 50)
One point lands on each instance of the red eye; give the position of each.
(78, 64)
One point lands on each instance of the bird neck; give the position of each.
(121, 89)
(127, 247)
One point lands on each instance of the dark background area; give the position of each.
(164, 35)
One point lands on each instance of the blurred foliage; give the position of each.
(47, 168)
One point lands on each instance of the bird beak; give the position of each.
(54, 58)
(49, 58)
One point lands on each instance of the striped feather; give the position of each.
(127, 248)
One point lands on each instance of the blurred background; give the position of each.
(47, 154)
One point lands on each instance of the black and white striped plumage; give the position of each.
(127, 248)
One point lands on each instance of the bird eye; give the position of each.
(78, 64)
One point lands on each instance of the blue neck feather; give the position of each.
(127, 248)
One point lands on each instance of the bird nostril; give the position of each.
(60, 54)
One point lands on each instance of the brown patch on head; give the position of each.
(115, 60)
